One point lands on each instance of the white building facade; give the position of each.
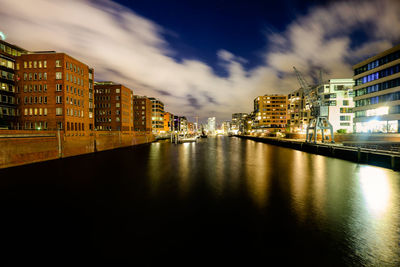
(338, 95)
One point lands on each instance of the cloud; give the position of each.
(127, 48)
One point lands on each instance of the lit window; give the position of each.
(58, 75)
(58, 111)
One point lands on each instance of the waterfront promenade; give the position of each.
(350, 151)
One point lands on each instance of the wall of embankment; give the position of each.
(384, 159)
(23, 147)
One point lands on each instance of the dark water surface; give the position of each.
(221, 201)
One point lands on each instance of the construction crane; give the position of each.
(319, 110)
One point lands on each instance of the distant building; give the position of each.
(211, 125)
(142, 110)
(226, 125)
(190, 127)
(239, 122)
(55, 92)
(168, 122)
(113, 107)
(270, 113)
(299, 113)
(8, 85)
(183, 124)
(377, 93)
(157, 115)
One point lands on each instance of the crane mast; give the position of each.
(319, 110)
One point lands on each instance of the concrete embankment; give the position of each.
(23, 147)
(386, 159)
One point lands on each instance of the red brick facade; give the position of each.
(142, 114)
(113, 107)
(55, 91)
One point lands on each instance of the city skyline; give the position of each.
(131, 45)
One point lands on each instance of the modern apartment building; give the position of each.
(55, 92)
(8, 85)
(239, 122)
(377, 93)
(113, 107)
(338, 95)
(157, 115)
(270, 113)
(299, 113)
(142, 107)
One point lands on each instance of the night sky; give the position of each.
(206, 58)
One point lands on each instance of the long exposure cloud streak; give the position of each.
(127, 48)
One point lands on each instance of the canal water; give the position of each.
(220, 201)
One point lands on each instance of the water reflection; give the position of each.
(185, 164)
(376, 229)
(357, 206)
(376, 190)
(257, 178)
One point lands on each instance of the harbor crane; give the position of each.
(319, 110)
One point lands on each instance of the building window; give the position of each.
(345, 118)
(58, 87)
(117, 105)
(40, 64)
(58, 63)
(58, 75)
(45, 76)
(58, 99)
(44, 64)
(58, 111)
(45, 111)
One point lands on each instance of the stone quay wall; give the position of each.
(18, 147)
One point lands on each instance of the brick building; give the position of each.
(8, 85)
(168, 122)
(113, 107)
(142, 114)
(55, 92)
